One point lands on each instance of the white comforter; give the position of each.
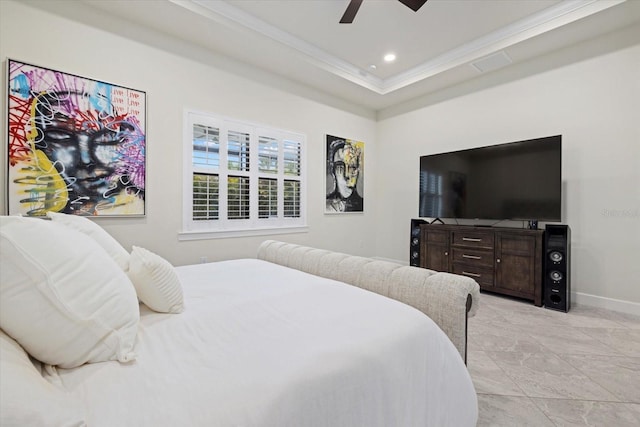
(264, 345)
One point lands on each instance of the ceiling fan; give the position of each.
(354, 5)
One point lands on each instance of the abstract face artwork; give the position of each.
(345, 175)
(76, 145)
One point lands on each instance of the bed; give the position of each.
(295, 337)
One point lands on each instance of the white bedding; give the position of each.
(264, 345)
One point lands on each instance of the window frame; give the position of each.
(223, 227)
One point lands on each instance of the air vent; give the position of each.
(492, 62)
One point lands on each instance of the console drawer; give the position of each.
(473, 257)
(482, 275)
(473, 239)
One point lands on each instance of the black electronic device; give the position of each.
(414, 242)
(514, 181)
(556, 281)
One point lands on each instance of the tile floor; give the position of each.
(537, 367)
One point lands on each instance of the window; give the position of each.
(241, 178)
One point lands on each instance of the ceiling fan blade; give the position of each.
(413, 4)
(351, 11)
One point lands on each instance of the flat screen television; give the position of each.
(514, 181)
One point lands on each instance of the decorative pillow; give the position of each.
(62, 297)
(97, 233)
(27, 399)
(156, 282)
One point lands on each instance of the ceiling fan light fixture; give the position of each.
(354, 5)
(351, 11)
(413, 4)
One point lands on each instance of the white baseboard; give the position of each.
(629, 307)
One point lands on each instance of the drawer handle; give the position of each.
(471, 239)
(471, 256)
(466, 273)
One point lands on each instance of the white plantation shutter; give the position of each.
(241, 178)
(292, 199)
(238, 149)
(292, 159)
(292, 168)
(267, 198)
(206, 146)
(205, 197)
(238, 197)
(268, 151)
(206, 161)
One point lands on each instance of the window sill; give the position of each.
(224, 234)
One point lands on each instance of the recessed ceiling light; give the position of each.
(390, 57)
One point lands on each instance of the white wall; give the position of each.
(594, 102)
(595, 105)
(173, 82)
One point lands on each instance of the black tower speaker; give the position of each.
(414, 243)
(557, 252)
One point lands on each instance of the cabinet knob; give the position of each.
(446, 253)
(498, 260)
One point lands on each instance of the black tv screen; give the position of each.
(517, 181)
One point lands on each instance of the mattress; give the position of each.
(264, 345)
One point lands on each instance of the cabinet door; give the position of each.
(516, 266)
(437, 258)
(435, 251)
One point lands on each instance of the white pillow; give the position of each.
(62, 297)
(156, 282)
(99, 234)
(27, 399)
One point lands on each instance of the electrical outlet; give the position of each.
(203, 259)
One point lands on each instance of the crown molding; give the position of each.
(561, 14)
(233, 17)
(539, 23)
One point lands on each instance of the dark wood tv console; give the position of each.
(502, 260)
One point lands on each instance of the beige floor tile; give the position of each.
(488, 378)
(625, 341)
(500, 326)
(501, 340)
(575, 369)
(509, 411)
(546, 375)
(569, 340)
(540, 319)
(580, 413)
(619, 375)
(486, 315)
(635, 408)
(625, 319)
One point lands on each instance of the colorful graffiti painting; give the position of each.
(345, 175)
(76, 145)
